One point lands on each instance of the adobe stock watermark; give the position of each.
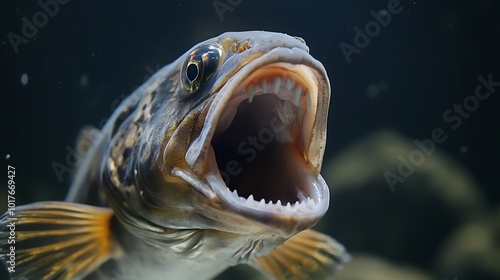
(455, 117)
(372, 29)
(29, 29)
(252, 146)
(223, 6)
(74, 156)
(11, 221)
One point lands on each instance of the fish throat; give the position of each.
(262, 137)
(259, 154)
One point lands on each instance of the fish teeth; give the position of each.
(310, 203)
(277, 85)
(279, 206)
(289, 83)
(294, 91)
(297, 93)
(298, 206)
(264, 86)
(251, 93)
(304, 203)
(301, 196)
(262, 203)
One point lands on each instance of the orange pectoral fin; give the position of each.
(55, 240)
(307, 255)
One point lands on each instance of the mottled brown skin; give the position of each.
(160, 217)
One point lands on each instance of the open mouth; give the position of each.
(263, 152)
(260, 139)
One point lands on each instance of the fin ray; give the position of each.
(57, 240)
(307, 255)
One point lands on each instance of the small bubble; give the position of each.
(372, 91)
(24, 79)
(464, 149)
(84, 80)
(7, 156)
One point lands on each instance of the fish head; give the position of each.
(234, 138)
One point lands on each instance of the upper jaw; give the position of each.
(295, 89)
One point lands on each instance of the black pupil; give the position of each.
(192, 72)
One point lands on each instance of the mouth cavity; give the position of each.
(262, 140)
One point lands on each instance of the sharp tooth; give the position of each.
(296, 204)
(279, 206)
(251, 93)
(310, 203)
(262, 203)
(235, 192)
(289, 84)
(308, 102)
(301, 196)
(297, 94)
(288, 206)
(264, 86)
(277, 85)
(250, 198)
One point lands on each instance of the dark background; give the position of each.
(91, 54)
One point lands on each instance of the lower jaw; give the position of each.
(283, 220)
(307, 205)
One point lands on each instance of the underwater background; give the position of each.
(412, 157)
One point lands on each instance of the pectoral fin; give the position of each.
(307, 255)
(55, 240)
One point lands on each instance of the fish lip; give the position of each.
(308, 211)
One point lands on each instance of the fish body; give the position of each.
(213, 162)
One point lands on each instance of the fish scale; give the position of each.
(193, 174)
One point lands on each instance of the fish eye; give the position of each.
(200, 65)
(192, 72)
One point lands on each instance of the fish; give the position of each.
(213, 162)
